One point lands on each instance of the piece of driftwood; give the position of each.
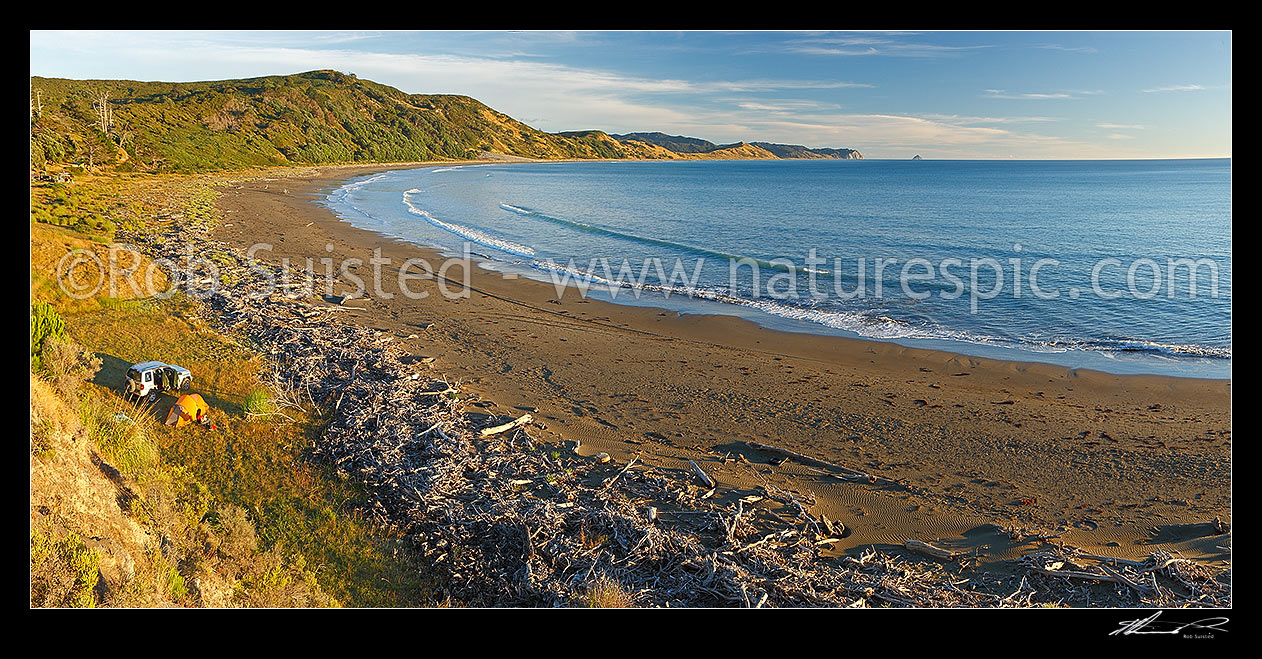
(1076, 574)
(505, 427)
(618, 475)
(833, 528)
(1121, 578)
(445, 392)
(932, 551)
(847, 473)
(705, 478)
(1111, 559)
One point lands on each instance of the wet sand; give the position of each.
(960, 447)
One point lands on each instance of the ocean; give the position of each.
(1120, 266)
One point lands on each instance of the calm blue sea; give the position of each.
(1080, 263)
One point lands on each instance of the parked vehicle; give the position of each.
(149, 379)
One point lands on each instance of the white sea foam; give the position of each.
(439, 170)
(469, 233)
(866, 322)
(344, 193)
(515, 209)
(874, 325)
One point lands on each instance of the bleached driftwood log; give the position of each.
(932, 550)
(515, 423)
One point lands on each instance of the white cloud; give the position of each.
(787, 105)
(1121, 126)
(873, 45)
(887, 135)
(967, 120)
(1175, 88)
(1068, 49)
(820, 50)
(1038, 96)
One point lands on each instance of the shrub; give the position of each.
(238, 540)
(172, 584)
(276, 580)
(64, 572)
(42, 436)
(258, 402)
(45, 323)
(67, 364)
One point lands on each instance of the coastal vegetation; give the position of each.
(317, 117)
(694, 145)
(126, 511)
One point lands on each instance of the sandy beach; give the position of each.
(965, 452)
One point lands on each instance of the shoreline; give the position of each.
(1095, 361)
(967, 439)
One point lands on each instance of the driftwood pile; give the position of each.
(509, 521)
(1183, 583)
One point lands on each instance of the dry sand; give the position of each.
(1123, 463)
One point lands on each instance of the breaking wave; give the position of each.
(468, 233)
(646, 240)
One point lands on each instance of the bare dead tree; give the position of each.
(104, 112)
(92, 149)
(125, 135)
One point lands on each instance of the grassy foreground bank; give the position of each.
(126, 511)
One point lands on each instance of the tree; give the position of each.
(104, 112)
(125, 135)
(92, 148)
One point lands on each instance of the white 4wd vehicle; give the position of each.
(148, 379)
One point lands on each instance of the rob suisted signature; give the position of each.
(1151, 625)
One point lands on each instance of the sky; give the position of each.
(889, 94)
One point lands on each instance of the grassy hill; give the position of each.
(676, 143)
(700, 148)
(317, 117)
(797, 151)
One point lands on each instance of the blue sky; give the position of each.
(889, 94)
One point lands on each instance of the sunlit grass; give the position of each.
(308, 536)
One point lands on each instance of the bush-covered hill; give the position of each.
(699, 147)
(308, 118)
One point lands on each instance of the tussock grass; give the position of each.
(605, 592)
(121, 433)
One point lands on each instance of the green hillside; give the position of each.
(799, 152)
(693, 145)
(318, 117)
(676, 143)
(308, 118)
